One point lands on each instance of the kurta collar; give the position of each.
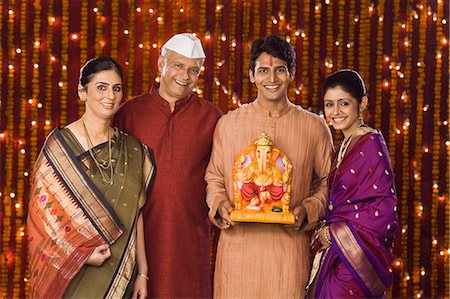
(160, 100)
(273, 114)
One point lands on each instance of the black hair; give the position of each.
(275, 46)
(98, 64)
(349, 80)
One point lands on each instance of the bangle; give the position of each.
(143, 275)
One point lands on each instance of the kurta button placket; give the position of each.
(170, 135)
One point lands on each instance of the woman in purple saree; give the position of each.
(354, 247)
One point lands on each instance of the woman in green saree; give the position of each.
(90, 182)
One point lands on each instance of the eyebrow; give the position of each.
(106, 83)
(274, 67)
(340, 99)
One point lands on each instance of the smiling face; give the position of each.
(343, 110)
(179, 75)
(103, 94)
(271, 77)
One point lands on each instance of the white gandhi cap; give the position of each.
(185, 44)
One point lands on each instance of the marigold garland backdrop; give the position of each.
(400, 47)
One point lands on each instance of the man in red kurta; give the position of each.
(178, 126)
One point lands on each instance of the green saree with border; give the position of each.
(74, 208)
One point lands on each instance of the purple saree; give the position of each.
(362, 222)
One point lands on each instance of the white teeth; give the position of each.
(338, 119)
(271, 87)
(181, 83)
(107, 105)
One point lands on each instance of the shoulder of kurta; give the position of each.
(222, 123)
(307, 114)
(138, 100)
(233, 114)
(207, 106)
(228, 120)
(311, 117)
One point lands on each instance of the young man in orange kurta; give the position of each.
(178, 126)
(256, 260)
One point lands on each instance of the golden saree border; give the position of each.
(83, 191)
(354, 255)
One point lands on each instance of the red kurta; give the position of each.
(177, 228)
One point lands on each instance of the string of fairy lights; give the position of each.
(399, 47)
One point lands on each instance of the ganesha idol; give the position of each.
(262, 184)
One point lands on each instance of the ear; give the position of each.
(292, 75)
(251, 76)
(275, 154)
(81, 92)
(161, 62)
(364, 103)
(251, 152)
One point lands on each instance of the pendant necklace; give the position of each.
(101, 165)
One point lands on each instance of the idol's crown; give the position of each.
(263, 140)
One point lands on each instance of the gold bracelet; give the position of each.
(143, 275)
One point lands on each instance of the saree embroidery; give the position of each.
(62, 160)
(69, 216)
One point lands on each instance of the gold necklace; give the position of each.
(99, 164)
(343, 150)
(340, 157)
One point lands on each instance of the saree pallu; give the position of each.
(72, 211)
(362, 222)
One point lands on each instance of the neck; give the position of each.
(98, 129)
(171, 103)
(273, 105)
(348, 133)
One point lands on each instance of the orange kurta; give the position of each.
(256, 260)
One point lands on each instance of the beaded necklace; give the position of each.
(101, 165)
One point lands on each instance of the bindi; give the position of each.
(270, 60)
